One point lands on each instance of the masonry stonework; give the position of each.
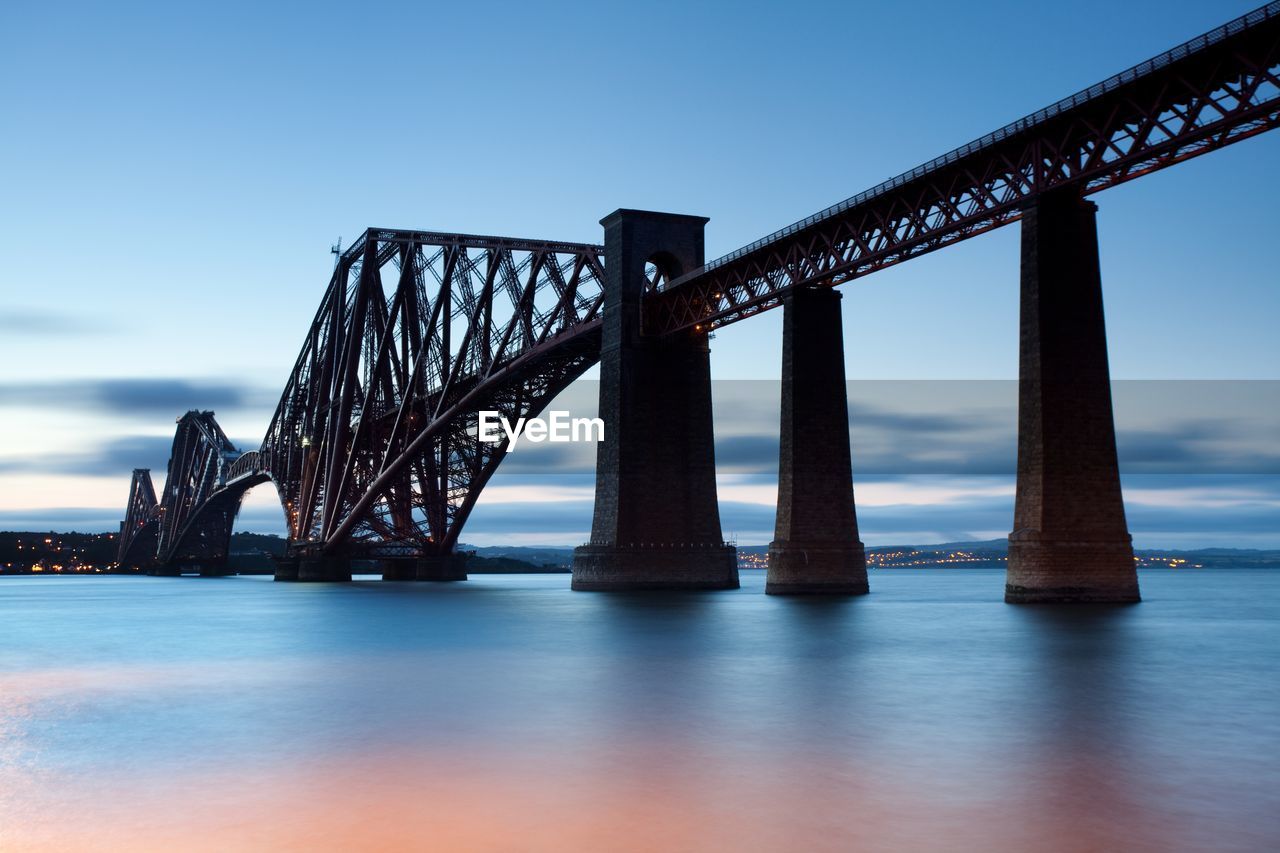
(657, 521)
(816, 549)
(1070, 541)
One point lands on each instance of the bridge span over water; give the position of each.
(372, 448)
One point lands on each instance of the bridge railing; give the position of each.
(1129, 75)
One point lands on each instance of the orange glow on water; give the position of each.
(508, 715)
(623, 797)
(427, 803)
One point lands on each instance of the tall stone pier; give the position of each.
(816, 549)
(1070, 541)
(657, 522)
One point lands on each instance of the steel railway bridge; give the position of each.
(372, 447)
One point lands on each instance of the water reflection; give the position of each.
(509, 713)
(1074, 734)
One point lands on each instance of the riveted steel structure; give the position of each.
(141, 525)
(372, 446)
(1219, 88)
(196, 509)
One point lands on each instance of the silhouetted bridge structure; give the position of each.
(373, 447)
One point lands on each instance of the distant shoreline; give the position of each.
(32, 552)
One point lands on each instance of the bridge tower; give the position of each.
(816, 549)
(657, 521)
(1070, 541)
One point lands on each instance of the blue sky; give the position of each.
(174, 178)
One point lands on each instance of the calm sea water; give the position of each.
(508, 713)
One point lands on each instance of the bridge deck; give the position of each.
(1215, 89)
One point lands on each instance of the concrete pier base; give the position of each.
(1070, 541)
(442, 567)
(324, 569)
(811, 569)
(640, 568)
(816, 550)
(399, 569)
(286, 568)
(656, 522)
(1064, 571)
(436, 567)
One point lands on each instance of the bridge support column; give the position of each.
(442, 567)
(399, 569)
(433, 567)
(325, 567)
(286, 568)
(1070, 541)
(657, 521)
(815, 548)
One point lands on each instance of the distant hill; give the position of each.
(539, 556)
(478, 565)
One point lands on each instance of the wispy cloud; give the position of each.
(263, 519)
(932, 461)
(114, 457)
(136, 397)
(37, 322)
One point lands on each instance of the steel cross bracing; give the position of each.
(1202, 95)
(195, 514)
(138, 531)
(373, 445)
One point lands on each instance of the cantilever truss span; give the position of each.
(373, 445)
(1219, 88)
(191, 521)
(141, 525)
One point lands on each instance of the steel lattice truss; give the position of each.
(196, 510)
(141, 525)
(1207, 93)
(373, 448)
(373, 445)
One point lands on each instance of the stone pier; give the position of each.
(286, 568)
(656, 522)
(816, 549)
(1070, 541)
(434, 567)
(324, 567)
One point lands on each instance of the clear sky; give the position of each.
(173, 179)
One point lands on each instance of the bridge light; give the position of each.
(306, 441)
